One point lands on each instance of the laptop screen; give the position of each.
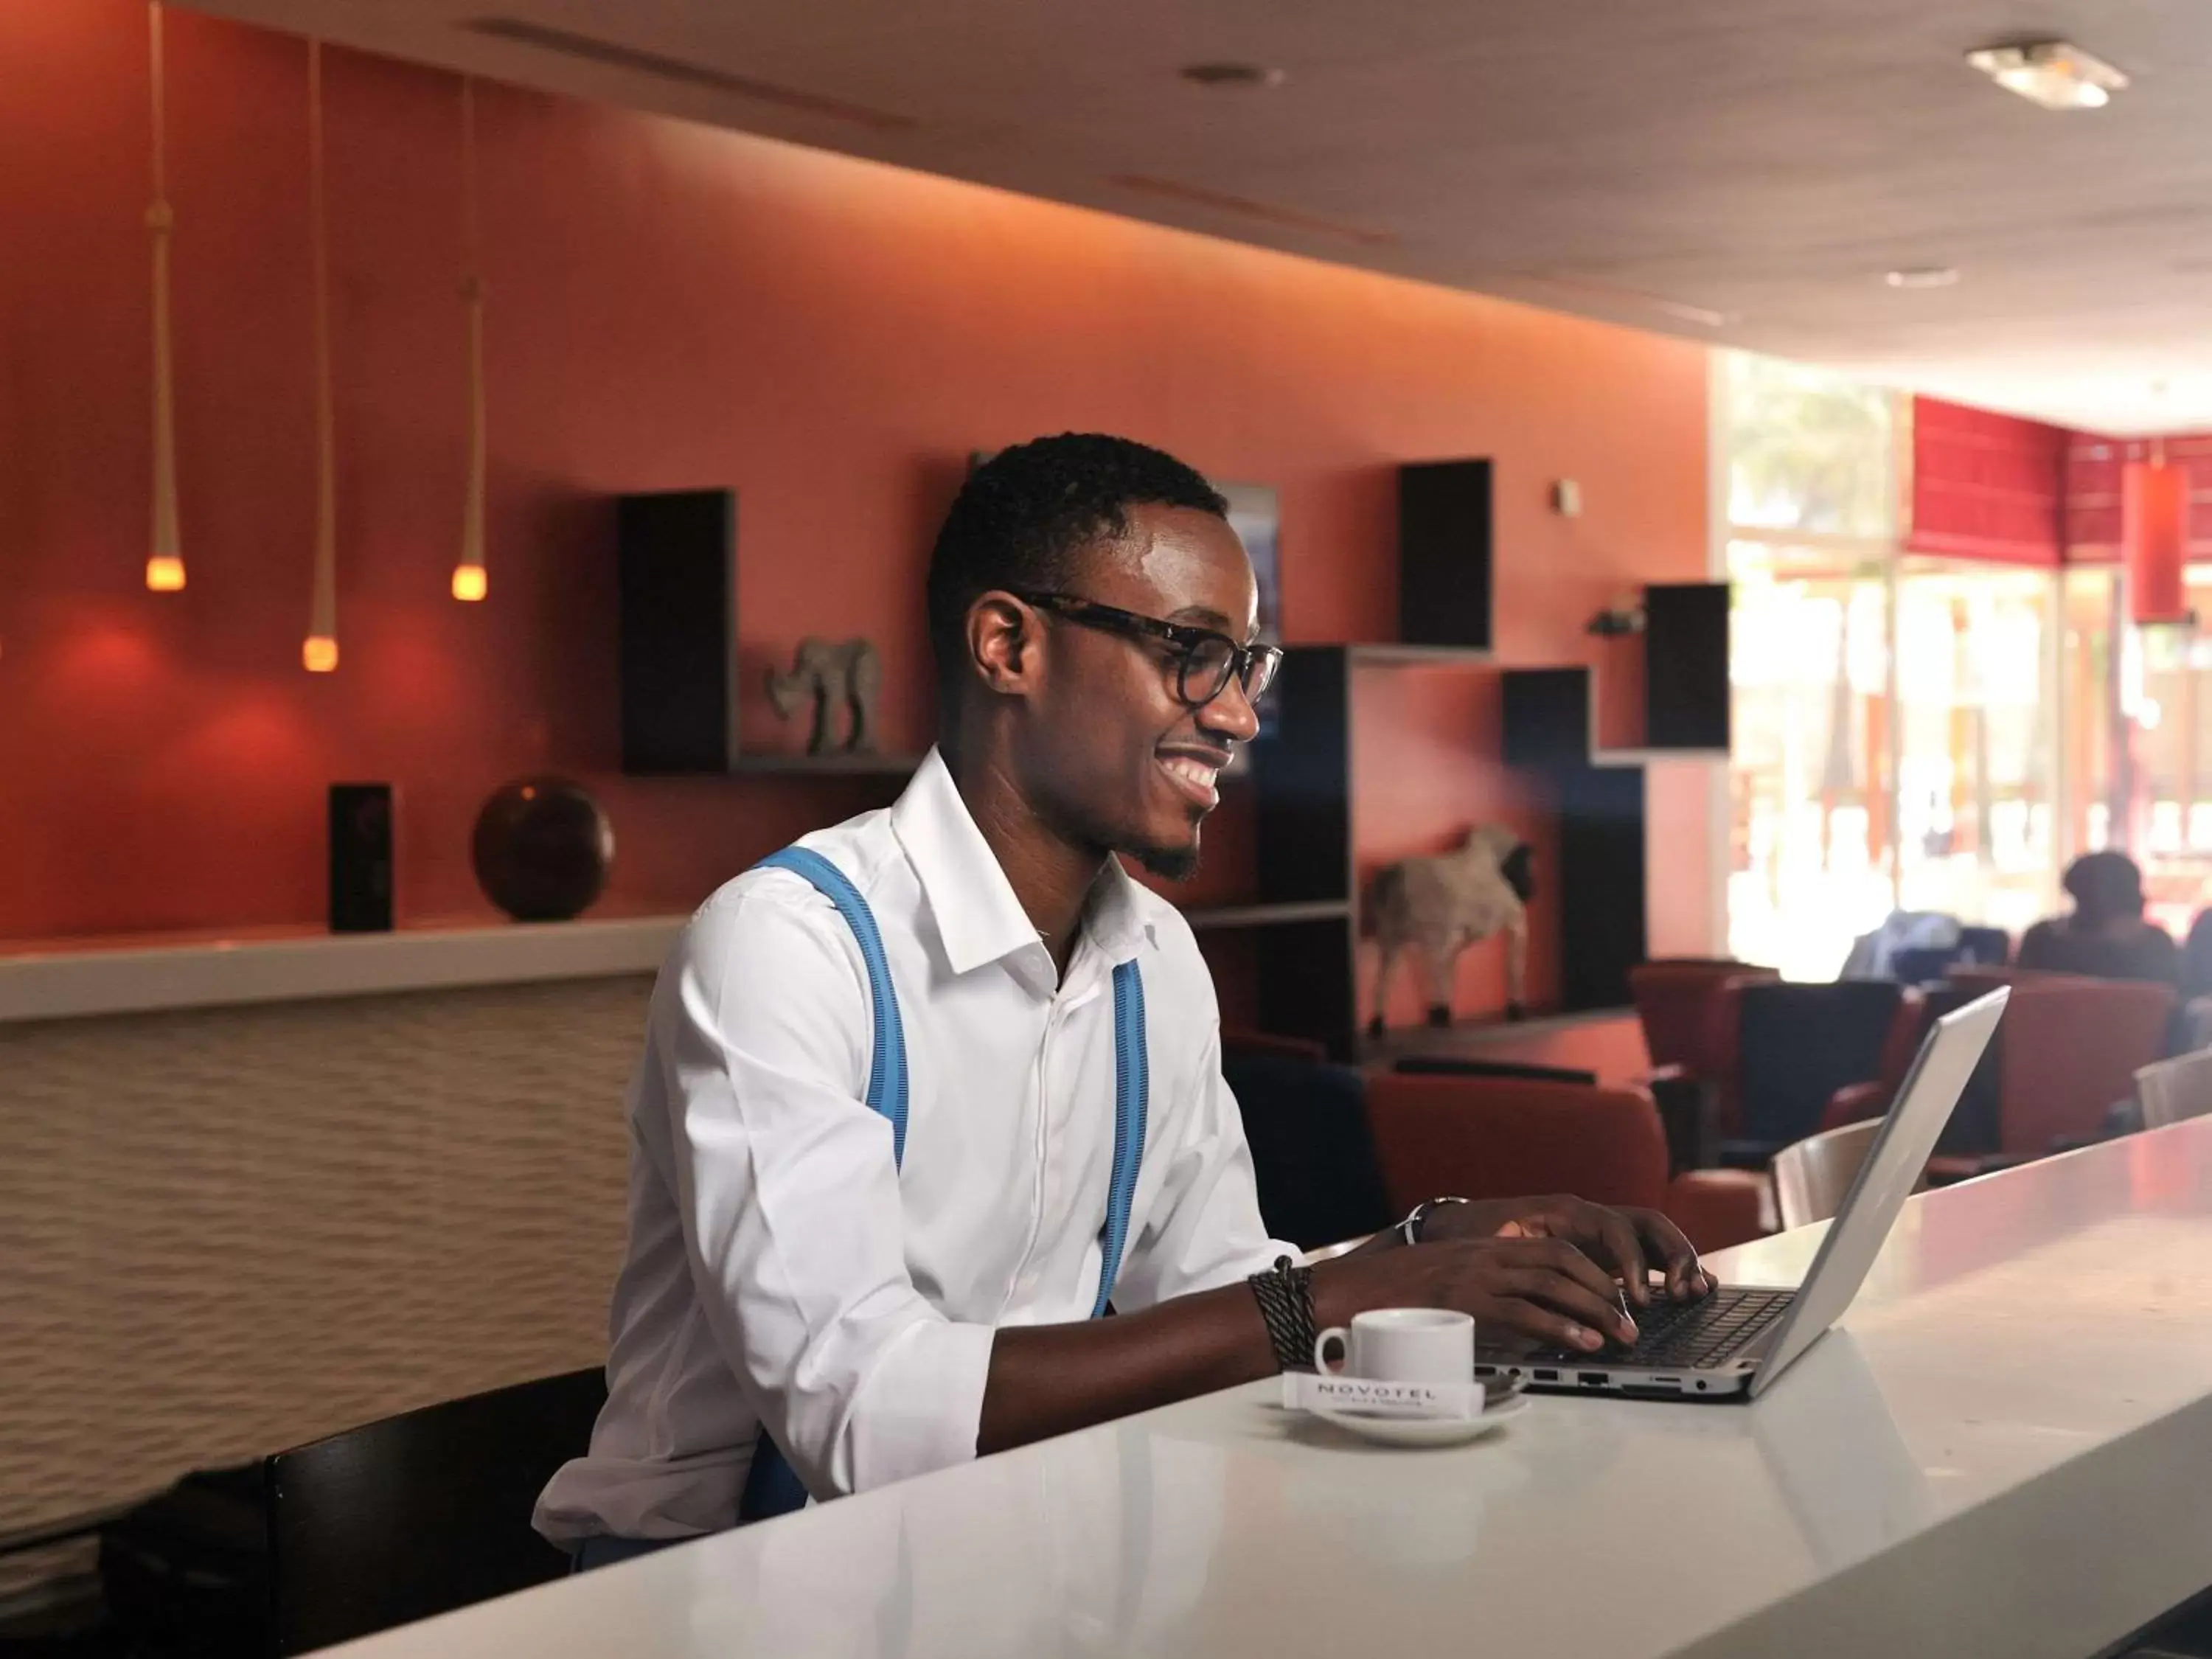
(1892, 1168)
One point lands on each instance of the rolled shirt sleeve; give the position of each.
(787, 1193)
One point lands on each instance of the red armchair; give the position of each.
(1504, 1137)
(1689, 1018)
(2068, 1048)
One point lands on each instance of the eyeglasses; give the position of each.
(1205, 660)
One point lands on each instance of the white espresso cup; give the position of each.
(1403, 1344)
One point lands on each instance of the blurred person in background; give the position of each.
(2106, 937)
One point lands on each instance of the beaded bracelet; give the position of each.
(1284, 1293)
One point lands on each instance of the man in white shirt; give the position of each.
(831, 1289)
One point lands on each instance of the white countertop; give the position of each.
(66, 981)
(2002, 1451)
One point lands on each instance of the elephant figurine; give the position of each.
(834, 673)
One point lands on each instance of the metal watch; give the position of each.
(1409, 1229)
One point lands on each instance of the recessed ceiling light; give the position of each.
(2055, 73)
(1233, 75)
(1923, 276)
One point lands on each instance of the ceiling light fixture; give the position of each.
(1233, 75)
(1923, 276)
(2154, 539)
(2055, 73)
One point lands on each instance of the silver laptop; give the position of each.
(1733, 1344)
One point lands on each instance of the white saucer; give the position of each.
(1425, 1431)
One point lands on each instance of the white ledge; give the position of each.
(69, 982)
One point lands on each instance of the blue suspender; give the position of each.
(887, 1062)
(772, 1487)
(1132, 1092)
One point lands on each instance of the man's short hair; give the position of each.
(2104, 885)
(1025, 516)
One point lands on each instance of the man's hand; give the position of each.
(1546, 1288)
(1623, 1242)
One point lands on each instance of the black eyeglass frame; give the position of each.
(1242, 662)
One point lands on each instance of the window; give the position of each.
(2138, 738)
(1896, 742)
(1977, 752)
(1809, 453)
(1810, 775)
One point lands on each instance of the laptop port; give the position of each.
(1590, 1379)
(1546, 1376)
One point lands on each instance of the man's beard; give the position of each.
(1171, 864)
(1168, 863)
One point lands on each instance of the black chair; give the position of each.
(421, 1513)
(1798, 1044)
(1923, 965)
(1457, 1065)
(1985, 947)
(1980, 947)
(1313, 1158)
(1973, 1130)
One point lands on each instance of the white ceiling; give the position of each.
(1740, 171)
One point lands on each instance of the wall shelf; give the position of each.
(1649, 757)
(1302, 764)
(1417, 655)
(1445, 554)
(825, 766)
(1551, 721)
(1269, 916)
(1550, 714)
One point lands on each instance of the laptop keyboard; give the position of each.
(1686, 1334)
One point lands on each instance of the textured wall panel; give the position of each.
(226, 1230)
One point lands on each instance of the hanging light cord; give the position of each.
(165, 563)
(470, 581)
(321, 650)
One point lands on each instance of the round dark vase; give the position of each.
(542, 848)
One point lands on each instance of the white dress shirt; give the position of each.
(782, 1270)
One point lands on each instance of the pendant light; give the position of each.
(2153, 537)
(319, 652)
(165, 562)
(470, 581)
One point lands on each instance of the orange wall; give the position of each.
(670, 305)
